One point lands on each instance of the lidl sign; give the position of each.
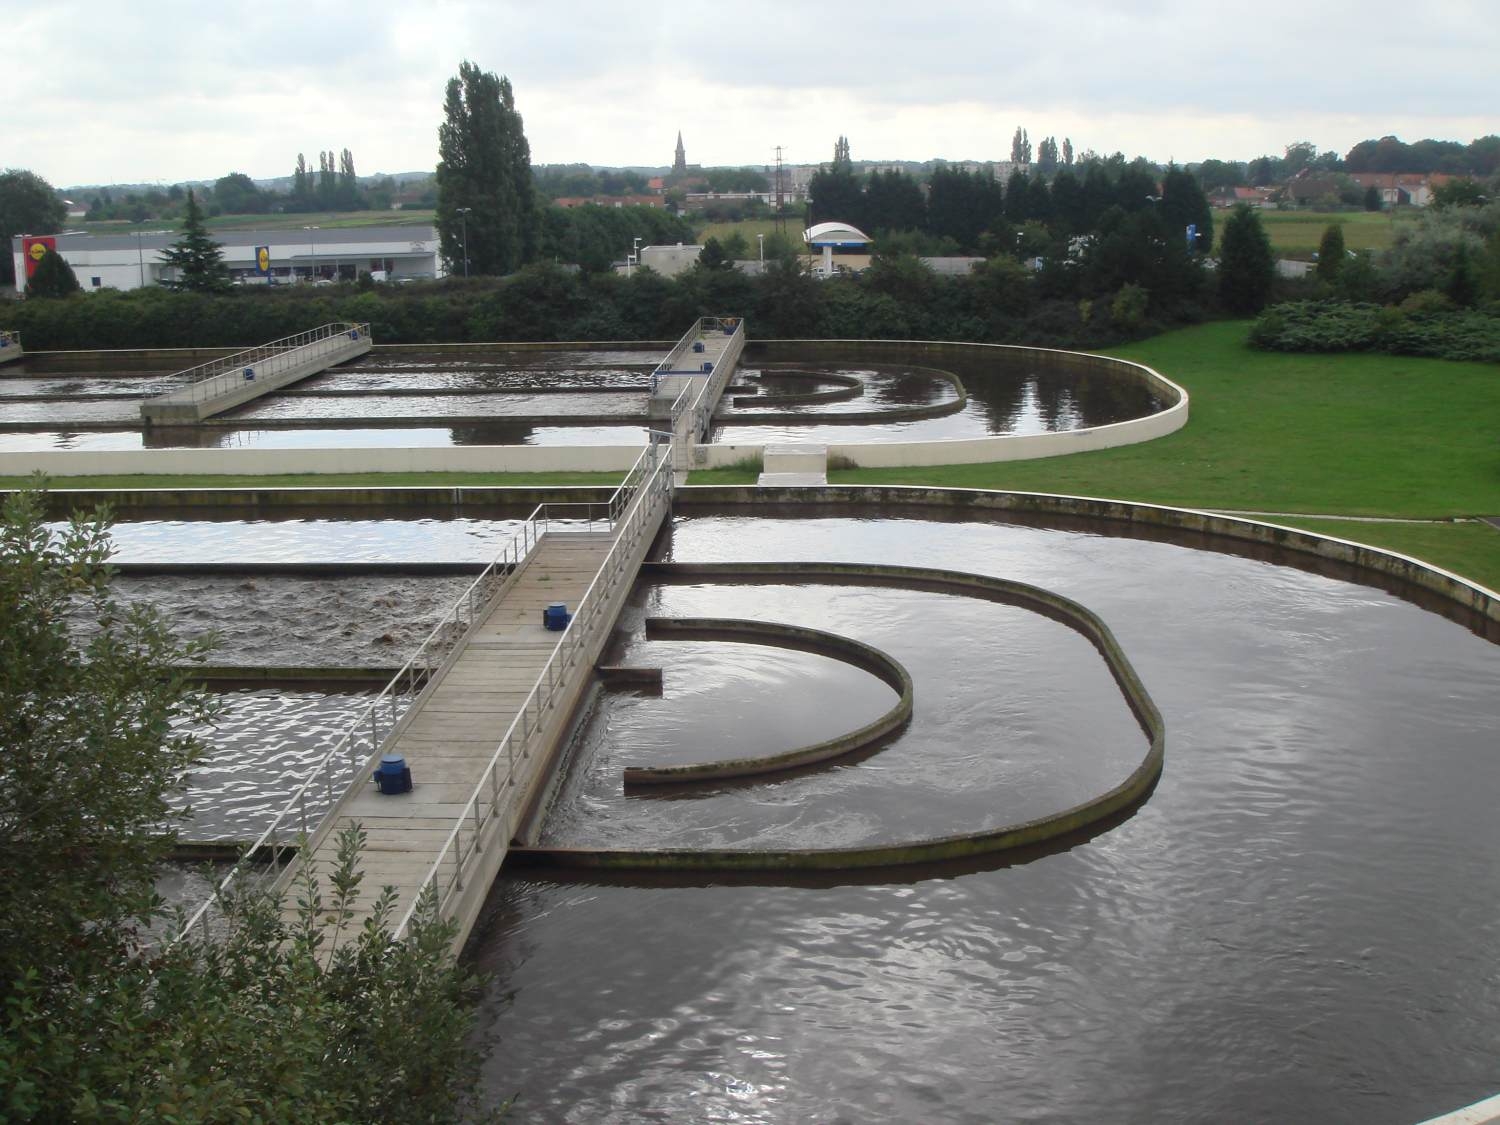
(263, 261)
(34, 248)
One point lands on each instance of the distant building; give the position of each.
(129, 261)
(609, 201)
(1398, 189)
(669, 261)
(679, 162)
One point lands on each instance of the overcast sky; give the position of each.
(152, 90)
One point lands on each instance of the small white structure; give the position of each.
(829, 237)
(129, 260)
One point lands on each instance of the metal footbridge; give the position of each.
(234, 380)
(480, 712)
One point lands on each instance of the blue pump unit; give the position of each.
(394, 776)
(555, 617)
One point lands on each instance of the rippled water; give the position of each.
(264, 743)
(283, 620)
(1295, 926)
(312, 539)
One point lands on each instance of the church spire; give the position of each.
(679, 164)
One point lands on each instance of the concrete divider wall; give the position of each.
(384, 459)
(856, 653)
(981, 842)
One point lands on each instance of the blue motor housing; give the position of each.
(555, 617)
(393, 777)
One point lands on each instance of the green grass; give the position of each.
(324, 220)
(1296, 234)
(326, 480)
(749, 228)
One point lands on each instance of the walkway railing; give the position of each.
(349, 764)
(652, 488)
(672, 365)
(219, 376)
(693, 404)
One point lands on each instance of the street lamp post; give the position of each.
(635, 255)
(140, 258)
(463, 215)
(314, 268)
(762, 240)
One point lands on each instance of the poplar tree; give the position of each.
(199, 259)
(484, 165)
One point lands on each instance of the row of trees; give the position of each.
(1031, 214)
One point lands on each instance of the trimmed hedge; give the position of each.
(1340, 326)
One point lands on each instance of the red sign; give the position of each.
(34, 248)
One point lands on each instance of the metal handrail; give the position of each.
(486, 800)
(358, 751)
(218, 376)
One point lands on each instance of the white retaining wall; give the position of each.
(263, 462)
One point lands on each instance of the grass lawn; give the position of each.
(1296, 234)
(330, 220)
(325, 480)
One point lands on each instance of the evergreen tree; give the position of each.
(1067, 150)
(1372, 198)
(53, 277)
(841, 157)
(199, 260)
(836, 195)
(1183, 204)
(485, 165)
(1463, 281)
(1246, 266)
(1331, 253)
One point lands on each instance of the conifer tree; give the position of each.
(1246, 265)
(53, 277)
(199, 260)
(1331, 253)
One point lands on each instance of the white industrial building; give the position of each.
(309, 254)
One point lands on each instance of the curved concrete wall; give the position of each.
(879, 664)
(959, 845)
(1002, 447)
